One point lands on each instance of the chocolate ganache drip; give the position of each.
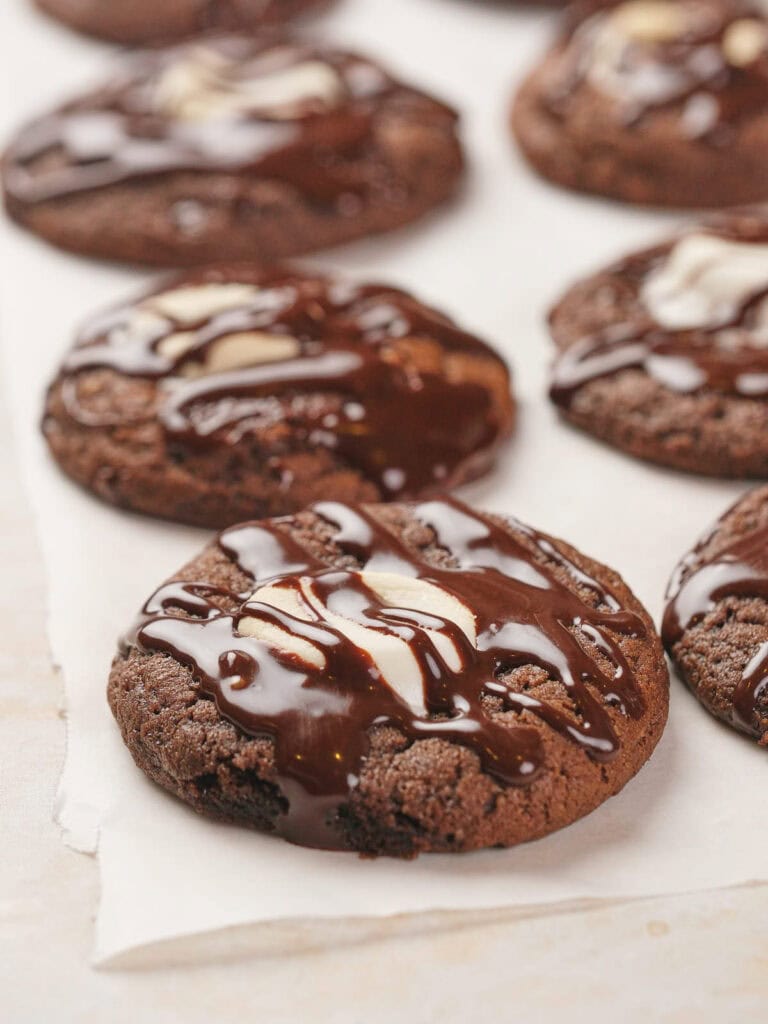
(740, 570)
(723, 349)
(316, 656)
(709, 58)
(273, 110)
(365, 371)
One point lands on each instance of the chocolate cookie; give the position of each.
(392, 679)
(235, 392)
(148, 23)
(664, 355)
(654, 101)
(716, 622)
(232, 148)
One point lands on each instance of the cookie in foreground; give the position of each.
(232, 147)
(716, 621)
(653, 101)
(392, 679)
(663, 354)
(240, 391)
(149, 23)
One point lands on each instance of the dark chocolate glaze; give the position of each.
(740, 570)
(121, 133)
(723, 357)
(409, 428)
(689, 72)
(320, 719)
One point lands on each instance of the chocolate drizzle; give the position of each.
(377, 378)
(510, 580)
(696, 588)
(126, 131)
(687, 69)
(724, 356)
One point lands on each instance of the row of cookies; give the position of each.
(384, 678)
(662, 353)
(207, 401)
(236, 148)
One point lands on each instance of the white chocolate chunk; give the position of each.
(640, 21)
(652, 21)
(704, 281)
(392, 656)
(195, 302)
(744, 40)
(230, 352)
(137, 326)
(291, 87)
(285, 599)
(419, 595)
(205, 85)
(177, 344)
(184, 81)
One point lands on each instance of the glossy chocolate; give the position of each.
(197, 107)
(510, 579)
(699, 583)
(373, 379)
(727, 357)
(670, 55)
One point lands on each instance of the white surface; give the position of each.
(693, 818)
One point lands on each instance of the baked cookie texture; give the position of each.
(148, 23)
(663, 355)
(240, 391)
(716, 621)
(660, 102)
(392, 679)
(232, 147)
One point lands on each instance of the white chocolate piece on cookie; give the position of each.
(744, 41)
(393, 656)
(191, 303)
(650, 21)
(704, 281)
(206, 84)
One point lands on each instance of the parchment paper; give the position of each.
(696, 815)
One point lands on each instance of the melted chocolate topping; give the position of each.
(127, 130)
(320, 719)
(689, 69)
(408, 426)
(740, 570)
(724, 357)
